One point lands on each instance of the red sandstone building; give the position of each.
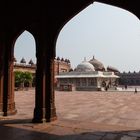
(60, 65)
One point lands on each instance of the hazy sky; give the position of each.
(111, 34)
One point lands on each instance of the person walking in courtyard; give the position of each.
(135, 90)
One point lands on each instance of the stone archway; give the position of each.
(44, 21)
(44, 99)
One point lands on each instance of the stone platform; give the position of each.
(81, 116)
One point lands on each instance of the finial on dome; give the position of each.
(84, 58)
(93, 57)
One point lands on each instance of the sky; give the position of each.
(110, 34)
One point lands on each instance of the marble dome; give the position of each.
(97, 64)
(85, 66)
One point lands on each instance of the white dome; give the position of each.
(85, 66)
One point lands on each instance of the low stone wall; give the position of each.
(88, 89)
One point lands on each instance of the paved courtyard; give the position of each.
(81, 116)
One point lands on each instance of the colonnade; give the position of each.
(44, 20)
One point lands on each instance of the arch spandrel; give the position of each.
(128, 5)
(59, 12)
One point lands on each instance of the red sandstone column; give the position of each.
(39, 111)
(50, 104)
(1, 77)
(11, 85)
(8, 94)
(44, 99)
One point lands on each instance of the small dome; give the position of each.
(62, 59)
(68, 61)
(58, 58)
(97, 64)
(85, 66)
(31, 62)
(22, 60)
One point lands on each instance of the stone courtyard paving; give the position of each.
(81, 116)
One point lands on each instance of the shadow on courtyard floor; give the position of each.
(25, 130)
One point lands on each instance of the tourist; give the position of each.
(135, 90)
(125, 87)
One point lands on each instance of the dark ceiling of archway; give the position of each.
(20, 13)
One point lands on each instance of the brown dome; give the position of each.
(110, 68)
(97, 64)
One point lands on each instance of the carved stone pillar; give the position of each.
(1, 94)
(11, 85)
(44, 99)
(50, 104)
(1, 77)
(8, 94)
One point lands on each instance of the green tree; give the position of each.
(23, 78)
(18, 78)
(27, 78)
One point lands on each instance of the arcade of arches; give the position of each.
(44, 20)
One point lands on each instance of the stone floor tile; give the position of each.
(128, 138)
(81, 116)
(135, 134)
(110, 137)
(89, 136)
